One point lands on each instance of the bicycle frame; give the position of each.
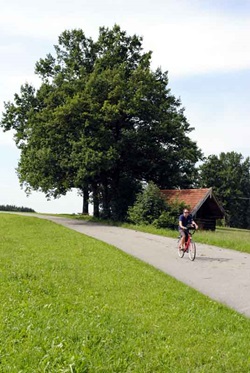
(189, 248)
(187, 242)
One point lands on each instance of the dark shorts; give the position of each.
(183, 232)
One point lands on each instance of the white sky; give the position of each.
(203, 44)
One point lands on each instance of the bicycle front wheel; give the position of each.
(192, 251)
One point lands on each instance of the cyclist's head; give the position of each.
(185, 212)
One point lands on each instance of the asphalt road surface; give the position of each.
(221, 274)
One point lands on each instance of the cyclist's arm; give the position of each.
(193, 223)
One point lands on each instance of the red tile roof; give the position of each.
(193, 198)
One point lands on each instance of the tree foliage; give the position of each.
(101, 121)
(229, 175)
(149, 205)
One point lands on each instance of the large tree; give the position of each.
(102, 121)
(229, 175)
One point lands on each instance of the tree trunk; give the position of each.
(85, 206)
(105, 199)
(115, 204)
(95, 200)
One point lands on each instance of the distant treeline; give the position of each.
(15, 208)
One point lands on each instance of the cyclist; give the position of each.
(185, 219)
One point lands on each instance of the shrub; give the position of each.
(148, 207)
(169, 218)
(166, 220)
(151, 208)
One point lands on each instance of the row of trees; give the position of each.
(229, 175)
(15, 208)
(104, 122)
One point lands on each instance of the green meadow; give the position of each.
(70, 303)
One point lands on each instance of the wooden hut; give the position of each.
(202, 203)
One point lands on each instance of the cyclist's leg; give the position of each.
(186, 236)
(183, 237)
(179, 245)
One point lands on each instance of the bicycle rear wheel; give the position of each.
(192, 251)
(180, 252)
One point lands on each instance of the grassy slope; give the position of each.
(70, 303)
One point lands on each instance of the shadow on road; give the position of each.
(206, 258)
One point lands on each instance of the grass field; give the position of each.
(70, 303)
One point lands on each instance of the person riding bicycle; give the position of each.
(185, 220)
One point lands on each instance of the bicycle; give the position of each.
(190, 246)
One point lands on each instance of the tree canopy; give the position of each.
(101, 121)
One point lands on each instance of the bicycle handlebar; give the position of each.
(191, 228)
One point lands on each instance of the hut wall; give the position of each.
(206, 224)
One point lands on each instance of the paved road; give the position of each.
(223, 275)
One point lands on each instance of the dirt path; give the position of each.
(223, 275)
